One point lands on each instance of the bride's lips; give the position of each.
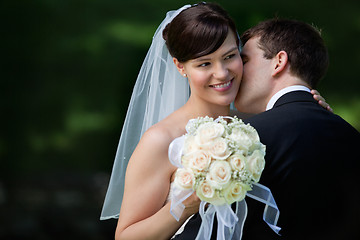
(222, 86)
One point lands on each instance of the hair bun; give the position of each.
(165, 32)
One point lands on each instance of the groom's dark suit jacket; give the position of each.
(312, 169)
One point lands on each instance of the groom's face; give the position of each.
(255, 85)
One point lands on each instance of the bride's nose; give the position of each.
(221, 71)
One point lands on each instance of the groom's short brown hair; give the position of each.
(307, 54)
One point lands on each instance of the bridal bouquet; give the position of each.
(220, 161)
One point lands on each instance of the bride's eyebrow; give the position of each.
(231, 50)
(200, 59)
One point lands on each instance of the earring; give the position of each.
(184, 75)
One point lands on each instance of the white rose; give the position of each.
(245, 137)
(241, 139)
(237, 162)
(207, 132)
(219, 149)
(198, 160)
(251, 132)
(219, 174)
(257, 146)
(235, 192)
(206, 192)
(190, 145)
(184, 178)
(256, 164)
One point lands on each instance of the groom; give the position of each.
(312, 157)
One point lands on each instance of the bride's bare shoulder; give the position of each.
(157, 138)
(151, 153)
(159, 135)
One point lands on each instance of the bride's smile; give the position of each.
(222, 86)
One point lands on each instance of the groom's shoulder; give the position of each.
(303, 117)
(263, 117)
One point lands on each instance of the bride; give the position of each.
(195, 47)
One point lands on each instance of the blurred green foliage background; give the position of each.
(67, 73)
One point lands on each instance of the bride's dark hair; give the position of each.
(198, 31)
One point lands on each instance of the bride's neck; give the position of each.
(196, 109)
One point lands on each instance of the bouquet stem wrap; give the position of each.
(230, 223)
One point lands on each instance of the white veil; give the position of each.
(159, 90)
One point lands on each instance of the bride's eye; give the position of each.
(230, 56)
(204, 64)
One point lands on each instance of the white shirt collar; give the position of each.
(282, 92)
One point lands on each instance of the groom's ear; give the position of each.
(179, 66)
(280, 62)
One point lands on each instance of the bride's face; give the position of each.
(215, 78)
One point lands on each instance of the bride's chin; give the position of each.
(225, 103)
(229, 100)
